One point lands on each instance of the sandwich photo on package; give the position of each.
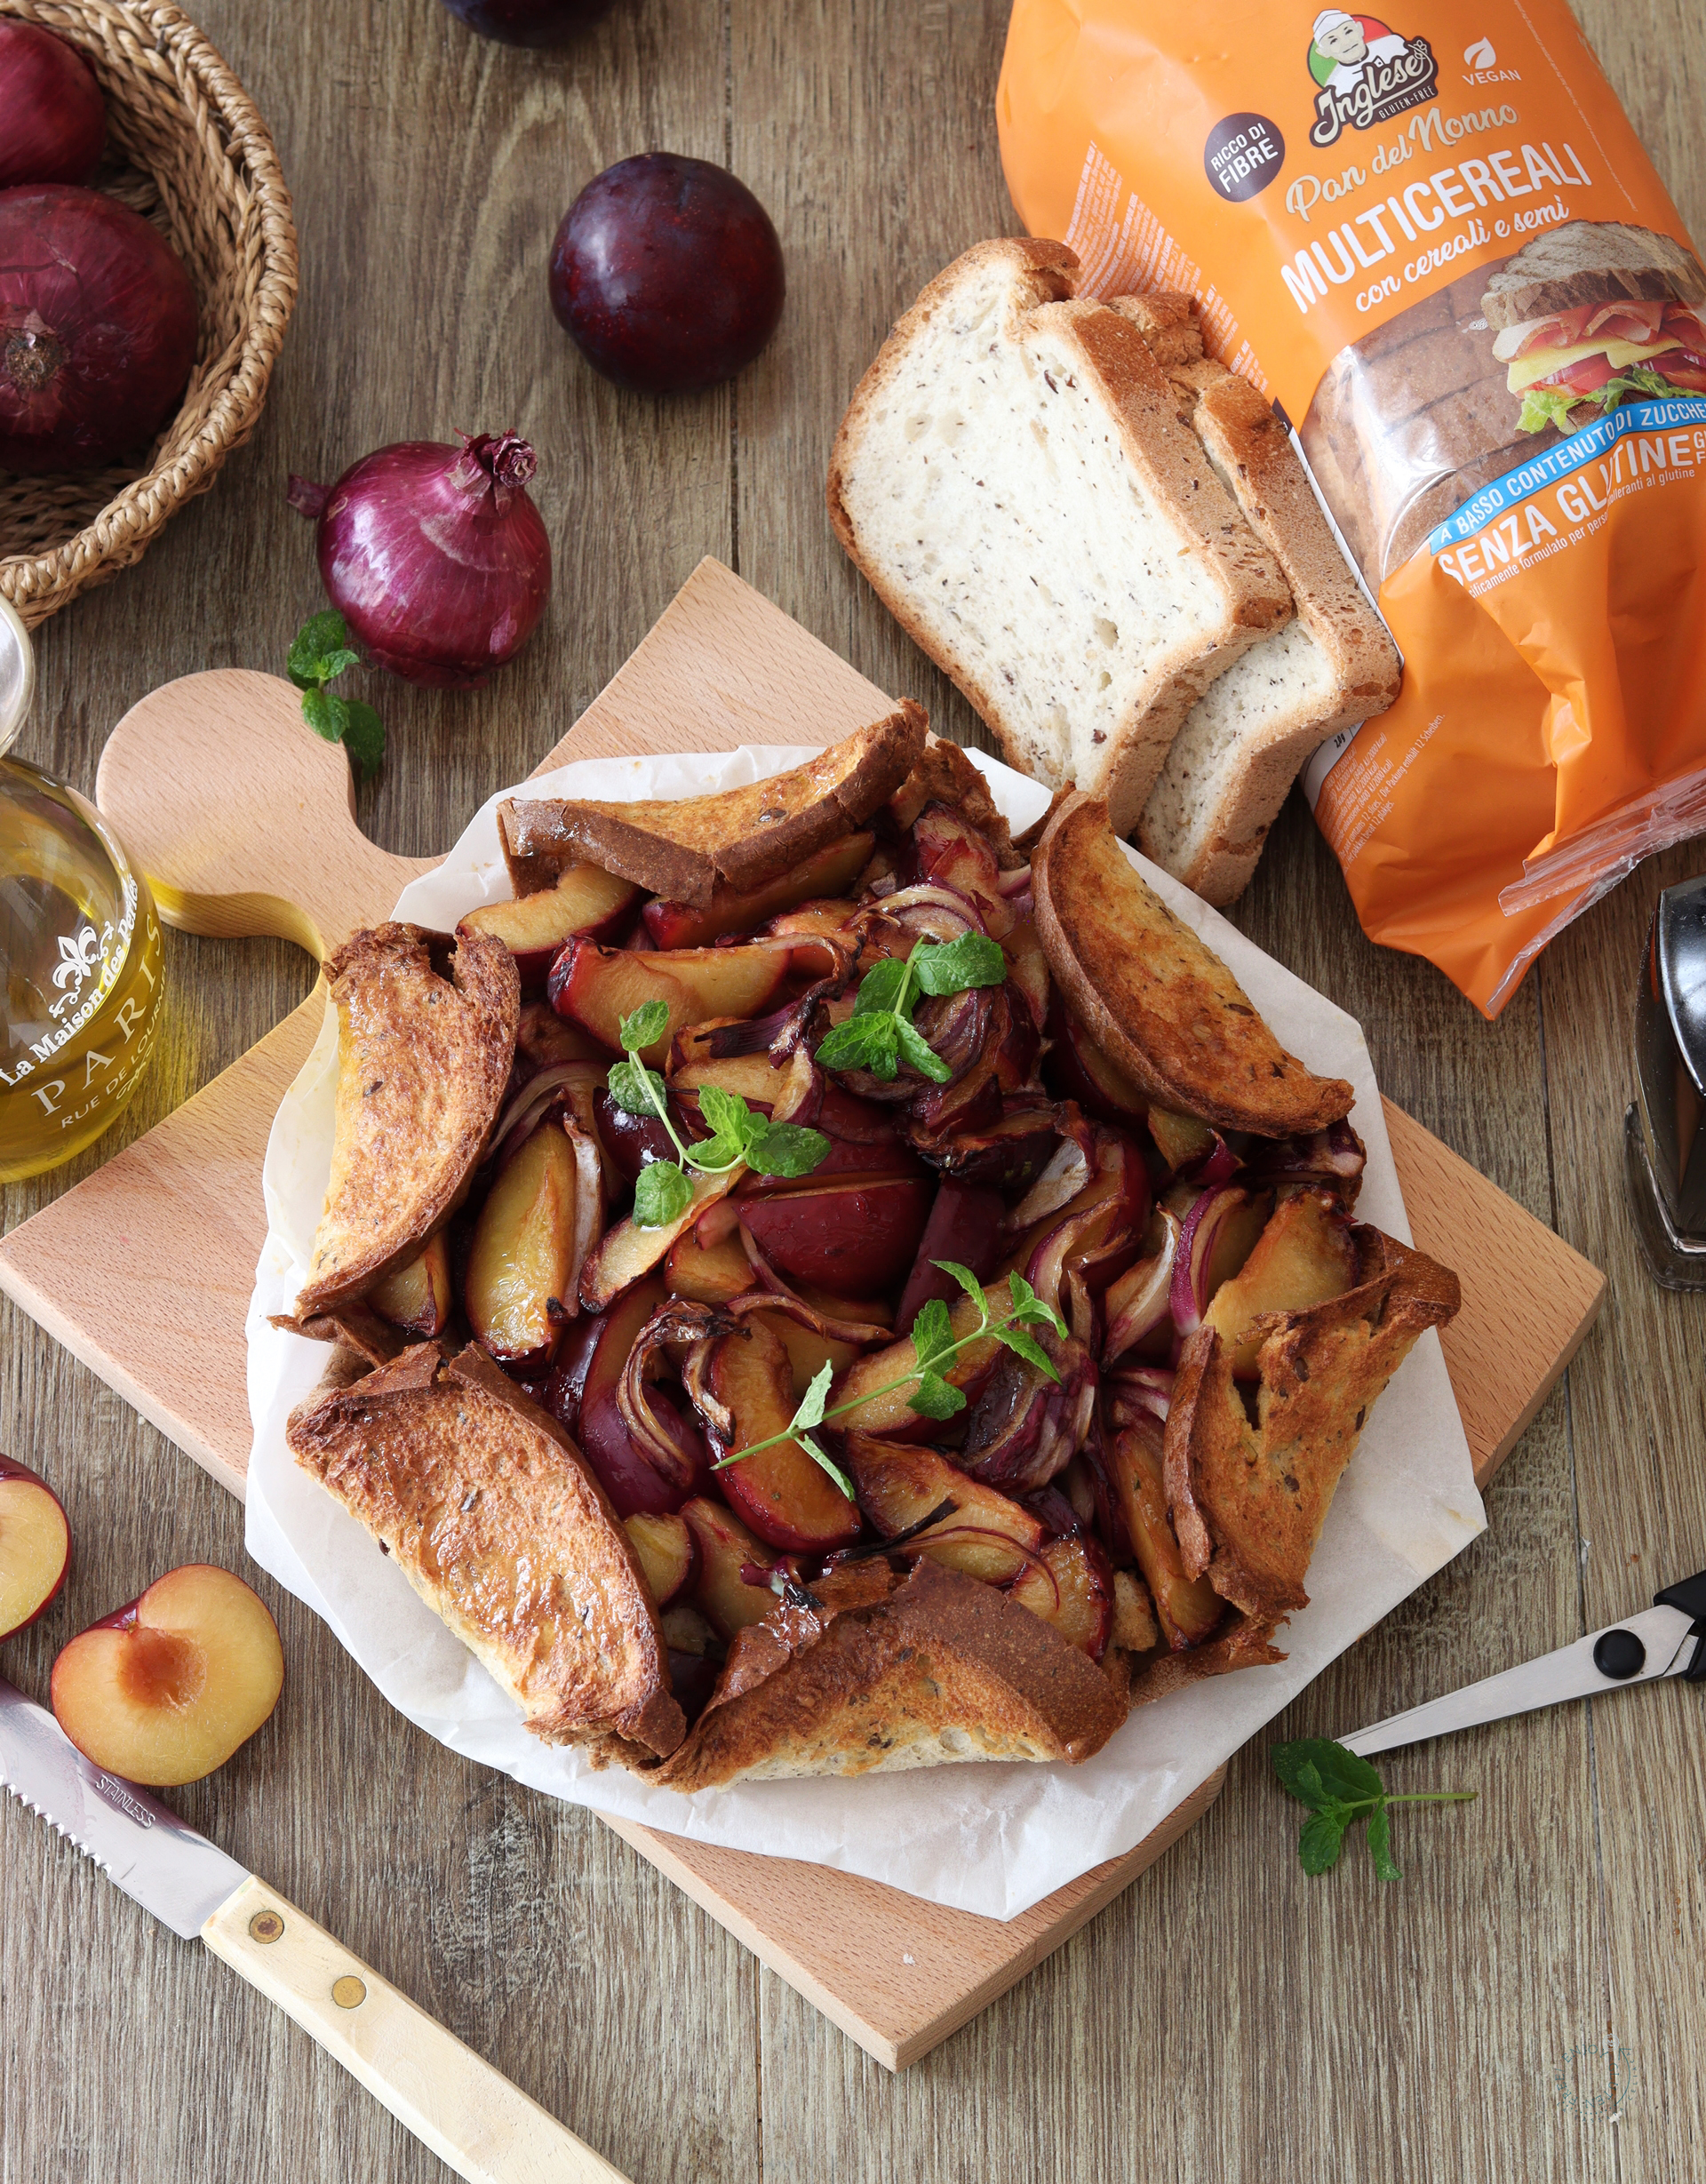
(1435, 249)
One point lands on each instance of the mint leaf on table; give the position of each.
(1339, 1787)
(320, 652)
(662, 1194)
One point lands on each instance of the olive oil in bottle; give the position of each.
(80, 957)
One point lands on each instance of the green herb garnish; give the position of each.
(319, 653)
(880, 1035)
(1339, 1787)
(739, 1137)
(934, 1348)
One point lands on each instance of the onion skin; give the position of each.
(435, 556)
(55, 123)
(98, 326)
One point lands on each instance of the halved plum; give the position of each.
(883, 1410)
(830, 871)
(34, 1546)
(584, 1393)
(596, 988)
(1071, 1586)
(743, 1389)
(856, 1238)
(965, 1225)
(534, 928)
(708, 1273)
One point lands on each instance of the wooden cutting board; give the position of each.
(243, 821)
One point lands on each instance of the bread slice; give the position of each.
(872, 1671)
(425, 1038)
(943, 774)
(488, 1511)
(1248, 1500)
(1013, 479)
(1591, 261)
(1232, 765)
(742, 838)
(1156, 998)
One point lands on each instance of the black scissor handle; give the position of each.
(1690, 1597)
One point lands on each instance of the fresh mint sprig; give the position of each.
(319, 653)
(880, 1034)
(934, 1349)
(1338, 1787)
(739, 1137)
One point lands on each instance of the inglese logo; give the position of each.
(1367, 72)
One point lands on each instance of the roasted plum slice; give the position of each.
(828, 872)
(586, 1391)
(802, 1332)
(945, 849)
(1188, 1608)
(727, 1551)
(965, 1225)
(1077, 1069)
(1305, 1255)
(519, 1290)
(856, 1238)
(710, 1273)
(419, 1296)
(742, 1385)
(633, 1142)
(1071, 1586)
(883, 1410)
(984, 1533)
(668, 1548)
(534, 928)
(596, 988)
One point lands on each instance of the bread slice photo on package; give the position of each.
(940, 1332)
(1012, 477)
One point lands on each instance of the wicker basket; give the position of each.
(186, 148)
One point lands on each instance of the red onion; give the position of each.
(1140, 1302)
(96, 330)
(55, 126)
(435, 556)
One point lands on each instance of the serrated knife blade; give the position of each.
(486, 2129)
(140, 1846)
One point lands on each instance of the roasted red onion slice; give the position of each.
(1060, 1183)
(576, 1083)
(1198, 1236)
(931, 911)
(1141, 1301)
(667, 1443)
(796, 1308)
(862, 1331)
(1146, 1388)
(1335, 1156)
(1024, 1427)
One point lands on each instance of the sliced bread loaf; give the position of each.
(1013, 477)
(1230, 767)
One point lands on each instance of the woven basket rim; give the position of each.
(39, 583)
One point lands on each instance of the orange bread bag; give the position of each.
(1434, 244)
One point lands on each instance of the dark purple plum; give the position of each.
(530, 22)
(667, 273)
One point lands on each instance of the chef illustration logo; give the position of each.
(1367, 72)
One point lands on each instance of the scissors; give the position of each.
(1668, 1638)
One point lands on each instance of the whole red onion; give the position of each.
(53, 123)
(435, 556)
(96, 330)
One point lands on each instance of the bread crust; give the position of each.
(1252, 453)
(496, 1521)
(1591, 261)
(1156, 999)
(742, 837)
(1247, 1502)
(1119, 367)
(881, 1672)
(423, 1062)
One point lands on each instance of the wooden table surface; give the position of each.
(1527, 2001)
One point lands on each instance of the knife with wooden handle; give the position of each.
(486, 2129)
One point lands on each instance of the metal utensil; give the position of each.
(1668, 1638)
(1664, 1131)
(467, 2113)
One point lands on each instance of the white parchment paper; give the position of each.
(993, 1839)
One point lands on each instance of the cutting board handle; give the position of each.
(242, 820)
